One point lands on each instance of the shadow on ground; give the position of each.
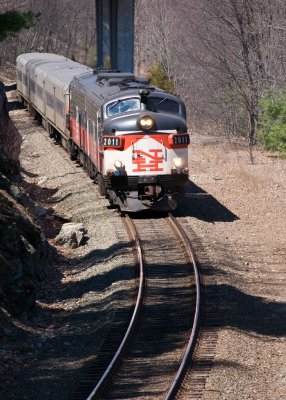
(197, 203)
(251, 314)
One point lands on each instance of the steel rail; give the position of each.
(195, 329)
(106, 375)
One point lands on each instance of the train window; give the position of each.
(40, 92)
(83, 119)
(90, 126)
(81, 116)
(162, 104)
(60, 107)
(32, 86)
(122, 105)
(50, 100)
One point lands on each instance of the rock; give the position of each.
(72, 235)
(23, 257)
(39, 211)
(15, 191)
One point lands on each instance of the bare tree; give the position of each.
(65, 27)
(232, 45)
(156, 40)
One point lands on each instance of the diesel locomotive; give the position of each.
(129, 136)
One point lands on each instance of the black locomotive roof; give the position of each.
(102, 87)
(90, 91)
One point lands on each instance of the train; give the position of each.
(130, 137)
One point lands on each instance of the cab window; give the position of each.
(122, 105)
(162, 104)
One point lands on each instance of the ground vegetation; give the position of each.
(13, 21)
(271, 129)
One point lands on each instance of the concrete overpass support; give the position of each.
(115, 34)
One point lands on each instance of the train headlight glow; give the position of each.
(118, 164)
(146, 123)
(178, 162)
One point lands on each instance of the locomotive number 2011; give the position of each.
(181, 139)
(111, 142)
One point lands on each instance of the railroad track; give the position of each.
(153, 355)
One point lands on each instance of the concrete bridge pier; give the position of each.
(115, 34)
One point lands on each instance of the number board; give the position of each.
(181, 139)
(111, 141)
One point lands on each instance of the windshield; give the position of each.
(122, 105)
(162, 104)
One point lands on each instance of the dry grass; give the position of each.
(267, 168)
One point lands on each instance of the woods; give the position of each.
(223, 56)
(63, 27)
(220, 56)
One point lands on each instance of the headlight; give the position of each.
(178, 162)
(118, 164)
(146, 123)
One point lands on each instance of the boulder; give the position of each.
(72, 235)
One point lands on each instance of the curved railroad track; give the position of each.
(154, 353)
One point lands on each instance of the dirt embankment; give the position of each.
(23, 249)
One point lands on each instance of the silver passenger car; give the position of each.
(43, 80)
